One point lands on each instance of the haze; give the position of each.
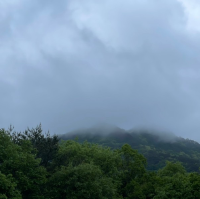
(71, 63)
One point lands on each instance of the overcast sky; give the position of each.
(72, 63)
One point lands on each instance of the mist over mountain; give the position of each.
(107, 130)
(101, 129)
(156, 145)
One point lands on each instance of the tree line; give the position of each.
(34, 165)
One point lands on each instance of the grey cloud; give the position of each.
(76, 63)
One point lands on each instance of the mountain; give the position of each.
(157, 147)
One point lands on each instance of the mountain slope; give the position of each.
(156, 147)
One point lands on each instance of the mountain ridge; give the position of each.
(157, 147)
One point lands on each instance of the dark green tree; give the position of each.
(45, 144)
(21, 164)
(132, 169)
(173, 182)
(194, 179)
(85, 181)
(8, 188)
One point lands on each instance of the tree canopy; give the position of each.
(85, 170)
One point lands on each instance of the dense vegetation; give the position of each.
(156, 147)
(36, 165)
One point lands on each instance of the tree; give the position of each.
(132, 170)
(8, 187)
(21, 164)
(173, 182)
(45, 144)
(194, 179)
(85, 181)
(72, 152)
(85, 171)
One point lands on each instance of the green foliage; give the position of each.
(84, 170)
(72, 154)
(156, 148)
(82, 181)
(8, 187)
(194, 179)
(172, 169)
(132, 169)
(46, 145)
(19, 162)
(76, 153)
(120, 168)
(173, 182)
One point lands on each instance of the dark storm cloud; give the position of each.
(75, 63)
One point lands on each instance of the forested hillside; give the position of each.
(157, 147)
(36, 165)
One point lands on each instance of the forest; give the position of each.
(157, 147)
(39, 165)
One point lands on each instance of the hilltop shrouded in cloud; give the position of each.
(72, 64)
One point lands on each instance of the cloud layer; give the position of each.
(75, 63)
